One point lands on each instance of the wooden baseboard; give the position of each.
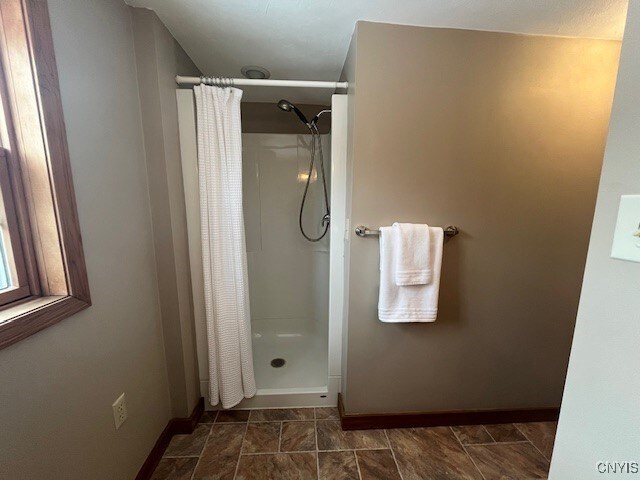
(183, 426)
(175, 426)
(365, 421)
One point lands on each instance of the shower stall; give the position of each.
(295, 255)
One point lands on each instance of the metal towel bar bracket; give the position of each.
(363, 231)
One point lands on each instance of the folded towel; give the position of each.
(412, 254)
(409, 303)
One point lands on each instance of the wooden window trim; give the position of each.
(40, 173)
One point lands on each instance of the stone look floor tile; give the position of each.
(220, 455)
(471, 434)
(332, 437)
(208, 416)
(281, 414)
(262, 437)
(298, 437)
(505, 432)
(281, 444)
(431, 453)
(188, 445)
(175, 468)
(226, 416)
(327, 413)
(338, 466)
(513, 461)
(279, 466)
(541, 434)
(377, 465)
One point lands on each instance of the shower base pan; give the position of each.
(291, 366)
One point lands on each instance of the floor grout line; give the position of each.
(485, 429)
(492, 444)
(474, 462)
(235, 473)
(202, 451)
(532, 444)
(254, 454)
(491, 436)
(182, 456)
(246, 454)
(355, 449)
(280, 438)
(456, 435)
(355, 454)
(467, 452)
(393, 454)
(281, 420)
(315, 430)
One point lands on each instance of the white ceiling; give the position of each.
(308, 39)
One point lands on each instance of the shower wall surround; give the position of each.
(502, 135)
(288, 276)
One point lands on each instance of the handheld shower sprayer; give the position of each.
(316, 145)
(287, 106)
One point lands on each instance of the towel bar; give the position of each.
(363, 231)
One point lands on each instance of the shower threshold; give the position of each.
(294, 397)
(287, 397)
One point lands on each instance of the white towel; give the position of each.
(413, 259)
(410, 303)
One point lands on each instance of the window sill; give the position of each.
(34, 314)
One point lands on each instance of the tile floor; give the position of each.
(307, 443)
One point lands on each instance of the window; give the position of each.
(42, 270)
(13, 274)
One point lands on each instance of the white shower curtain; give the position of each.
(224, 257)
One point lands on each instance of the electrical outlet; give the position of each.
(119, 411)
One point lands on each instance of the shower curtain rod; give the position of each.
(248, 82)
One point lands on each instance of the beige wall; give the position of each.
(600, 419)
(158, 59)
(57, 386)
(503, 136)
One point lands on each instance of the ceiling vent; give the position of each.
(255, 72)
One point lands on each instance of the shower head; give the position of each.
(287, 106)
